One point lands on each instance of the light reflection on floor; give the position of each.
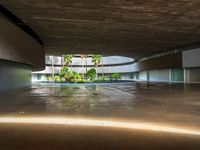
(99, 123)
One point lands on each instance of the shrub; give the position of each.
(63, 71)
(115, 76)
(102, 78)
(66, 75)
(75, 77)
(91, 74)
(50, 78)
(57, 78)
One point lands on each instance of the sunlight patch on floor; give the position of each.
(99, 123)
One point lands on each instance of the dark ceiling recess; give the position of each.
(18, 22)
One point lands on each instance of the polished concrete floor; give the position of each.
(171, 107)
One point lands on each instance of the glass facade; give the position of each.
(177, 75)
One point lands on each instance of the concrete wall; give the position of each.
(110, 69)
(143, 76)
(154, 75)
(162, 62)
(107, 60)
(191, 63)
(19, 54)
(18, 46)
(14, 75)
(159, 75)
(117, 61)
(191, 58)
(192, 75)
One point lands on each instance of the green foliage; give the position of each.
(96, 59)
(91, 74)
(66, 75)
(68, 59)
(75, 77)
(50, 78)
(115, 76)
(57, 78)
(102, 78)
(63, 71)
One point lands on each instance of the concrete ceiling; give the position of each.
(123, 27)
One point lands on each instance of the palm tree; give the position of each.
(85, 57)
(52, 63)
(102, 68)
(68, 59)
(62, 61)
(96, 59)
(82, 57)
(86, 63)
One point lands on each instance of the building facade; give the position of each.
(188, 71)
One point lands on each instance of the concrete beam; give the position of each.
(18, 46)
(130, 28)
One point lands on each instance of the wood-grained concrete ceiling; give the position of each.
(124, 27)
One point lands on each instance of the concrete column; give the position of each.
(170, 76)
(185, 75)
(147, 72)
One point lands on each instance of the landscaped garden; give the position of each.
(91, 75)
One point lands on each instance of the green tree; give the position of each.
(62, 61)
(102, 68)
(86, 62)
(84, 56)
(96, 60)
(91, 74)
(68, 59)
(63, 71)
(52, 66)
(66, 75)
(76, 77)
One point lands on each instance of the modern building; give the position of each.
(108, 66)
(187, 71)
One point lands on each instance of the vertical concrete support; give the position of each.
(185, 75)
(188, 75)
(52, 62)
(19, 55)
(170, 76)
(148, 77)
